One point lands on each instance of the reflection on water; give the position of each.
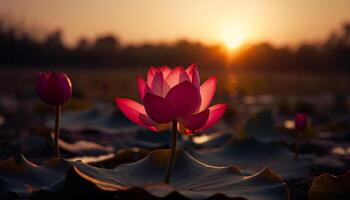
(289, 124)
(92, 159)
(83, 146)
(231, 85)
(200, 139)
(341, 150)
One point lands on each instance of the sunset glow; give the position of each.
(234, 38)
(206, 21)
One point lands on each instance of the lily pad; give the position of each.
(251, 155)
(191, 179)
(121, 156)
(329, 187)
(157, 139)
(261, 126)
(147, 139)
(103, 121)
(18, 175)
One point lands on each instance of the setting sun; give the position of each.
(234, 38)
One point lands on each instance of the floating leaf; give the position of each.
(101, 120)
(148, 140)
(22, 177)
(328, 187)
(261, 126)
(191, 179)
(122, 156)
(251, 156)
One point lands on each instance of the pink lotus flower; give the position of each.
(53, 88)
(176, 94)
(301, 121)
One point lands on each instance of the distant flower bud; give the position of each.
(53, 88)
(301, 121)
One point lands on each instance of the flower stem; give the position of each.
(57, 131)
(297, 146)
(172, 153)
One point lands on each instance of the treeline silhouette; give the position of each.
(331, 54)
(19, 48)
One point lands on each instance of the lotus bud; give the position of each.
(53, 88)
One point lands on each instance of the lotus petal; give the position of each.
(196, 121)
(165, 71)
(157, 83)
(158, 109)
(184, 98)
(215, 114)
(178, 75)
(193, 74)
(134, 111)
(142, 87)
(207, 91)
(150, 75)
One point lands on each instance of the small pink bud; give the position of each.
(301, 121)
(53, 88)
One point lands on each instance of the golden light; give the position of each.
(289, 124)
(234, 38)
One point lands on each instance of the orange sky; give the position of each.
(210, 21)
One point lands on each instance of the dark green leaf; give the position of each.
(328, 187)
(251, 156)
(191, 179)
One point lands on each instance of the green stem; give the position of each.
(57, 131)
(172, 153)
(297, 146)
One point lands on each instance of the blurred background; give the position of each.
(286, 56)
(272, 47)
